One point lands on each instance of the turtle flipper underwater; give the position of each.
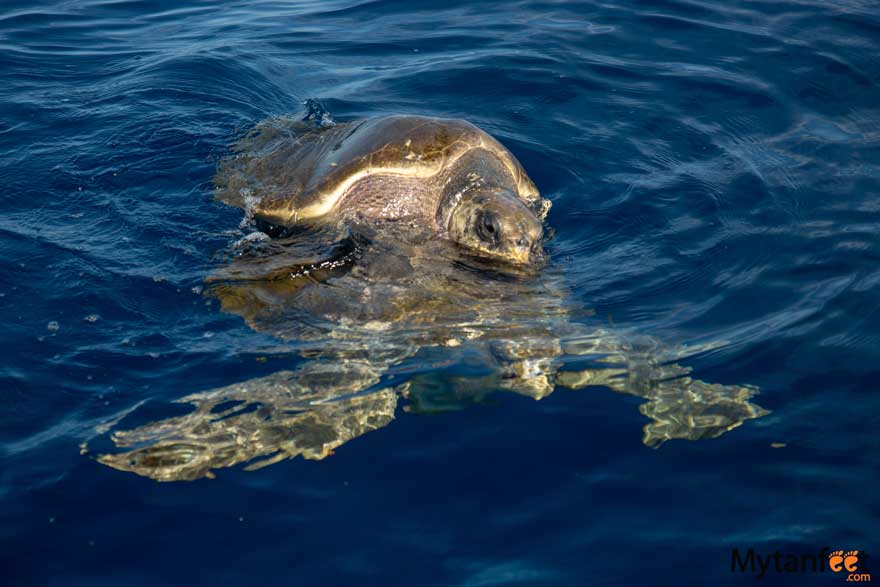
(330, 400)
(403, 247)
(260, 422)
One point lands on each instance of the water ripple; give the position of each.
(714, 171)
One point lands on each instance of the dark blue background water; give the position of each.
(715, 172)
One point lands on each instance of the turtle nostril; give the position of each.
(522, 242)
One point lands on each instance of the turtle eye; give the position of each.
(488, 228)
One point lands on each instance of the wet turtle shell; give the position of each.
(288, 172)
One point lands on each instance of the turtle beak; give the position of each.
(527, 249)
(526, 252)
(523, 255)
(537, 257)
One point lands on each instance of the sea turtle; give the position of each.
(442, 174)
(375, 270)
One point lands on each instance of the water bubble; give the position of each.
(249, 200)
(53, 326)
(254, 237)
(92, 318)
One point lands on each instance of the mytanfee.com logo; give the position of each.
(851, 565)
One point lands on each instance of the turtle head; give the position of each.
(495, 223)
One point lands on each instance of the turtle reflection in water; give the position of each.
(388, 251)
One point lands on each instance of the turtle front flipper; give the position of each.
(678, 405)
(308, 412)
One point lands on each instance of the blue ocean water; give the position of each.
(714, 169)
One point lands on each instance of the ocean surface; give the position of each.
(714, 168)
